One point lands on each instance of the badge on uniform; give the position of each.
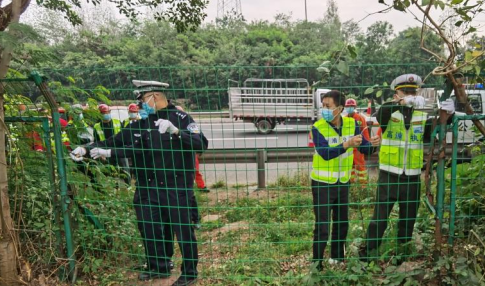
(418, 129)
(193, 128)
(395, 120)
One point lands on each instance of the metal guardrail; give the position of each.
(220, 114)
(275, 155)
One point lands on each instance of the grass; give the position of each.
(218, 185)
(265, 239)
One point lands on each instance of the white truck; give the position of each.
(267, 102)
(467, 131)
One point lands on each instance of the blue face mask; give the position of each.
(106, 117)
(350, 110)
(327, 114)
(143, 114)
(147, 107)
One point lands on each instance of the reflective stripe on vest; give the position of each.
(402, 150)
(339, 168)
(100, 132)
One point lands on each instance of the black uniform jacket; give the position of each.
(168, 159)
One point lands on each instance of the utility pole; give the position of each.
(306, 14)
(228, 7)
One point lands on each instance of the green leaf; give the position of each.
(379, 93)
(352, 52)
(456, 2)
(343, 67)
(369, 90)
(385, 84)
(323, 69)
(398, 5)
(442, 5)
(478, 69)
(71, 79)
(470, 30)
(425, 2)
(458, 23)
(325, 63)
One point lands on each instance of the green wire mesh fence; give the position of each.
(247, 213)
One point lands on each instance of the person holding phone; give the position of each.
(335, 137)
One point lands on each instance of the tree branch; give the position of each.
(451, 48)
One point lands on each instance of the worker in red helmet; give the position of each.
(133, 115)
(359, 171)
(108, 126)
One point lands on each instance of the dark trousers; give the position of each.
(393, 188)
(162, 212)
(330, 199)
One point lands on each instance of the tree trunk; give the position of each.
(462, 97)
(8, 254)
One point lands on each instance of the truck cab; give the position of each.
(467, 132)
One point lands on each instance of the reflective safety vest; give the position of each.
(339, 168)
(401, 149)
(100, 132)
(128, 121)
(64, 139)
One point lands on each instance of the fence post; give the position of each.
(453, 181)
(61, 169)
(261, 157)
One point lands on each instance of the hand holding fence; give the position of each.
(100, 153)
(77, 154)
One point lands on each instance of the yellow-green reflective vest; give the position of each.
(64, 138)
(402, 150)
(339, 168)
(100, 132)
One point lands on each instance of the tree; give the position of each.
(373, 45)
(184, 14)
(405, 47)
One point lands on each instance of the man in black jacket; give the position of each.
(163, 147)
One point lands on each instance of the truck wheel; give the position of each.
(265, 126)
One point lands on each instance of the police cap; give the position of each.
(408, 81)
(143, 86)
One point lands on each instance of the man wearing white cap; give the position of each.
(163, 147)
(404, 130)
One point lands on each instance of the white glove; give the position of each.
(448, 105)
(166, 126)
(98, 153)
(77, 154)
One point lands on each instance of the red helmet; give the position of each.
(351, 102)
(133, 107)
(103, 108)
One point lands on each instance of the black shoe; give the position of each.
(204, 190)
(185, 281)
(145, 276)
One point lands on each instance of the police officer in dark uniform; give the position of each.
(167, 141)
